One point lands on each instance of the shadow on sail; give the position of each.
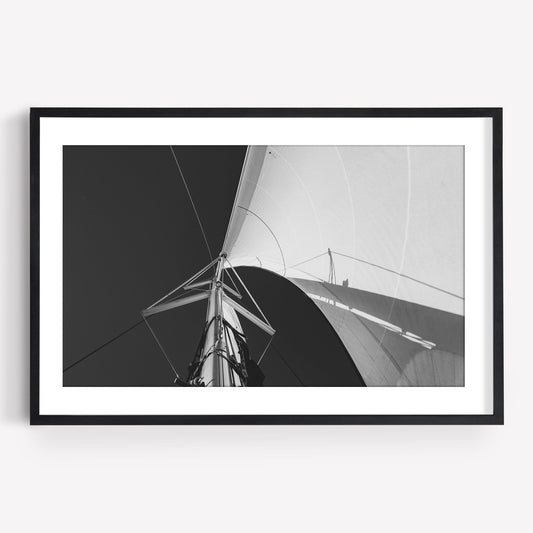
(393, 342)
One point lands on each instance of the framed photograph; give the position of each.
(266, 266)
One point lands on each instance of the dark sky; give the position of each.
(130, 236)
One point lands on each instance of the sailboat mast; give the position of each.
(219, 360)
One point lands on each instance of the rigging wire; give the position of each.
(192, 203)
(312, 275)
(127, 330)
(265, 350)
(116, 337)
(399, 274)
(372, 265)
(307, 260)
(233, 281)
(248, 292)
(190, 280)
(278, 353)
(162, 349)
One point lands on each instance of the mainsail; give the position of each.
(374, 236)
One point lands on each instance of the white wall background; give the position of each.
(134, 53)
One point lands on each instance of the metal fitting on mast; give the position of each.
(222, 357)
(220, 361)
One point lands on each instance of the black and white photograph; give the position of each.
(263, 266)
(251, 265)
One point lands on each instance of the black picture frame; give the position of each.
(495, 114)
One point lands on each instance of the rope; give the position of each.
(192, 203)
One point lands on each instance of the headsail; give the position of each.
(374, 235)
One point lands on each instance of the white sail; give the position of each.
(374, 235)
